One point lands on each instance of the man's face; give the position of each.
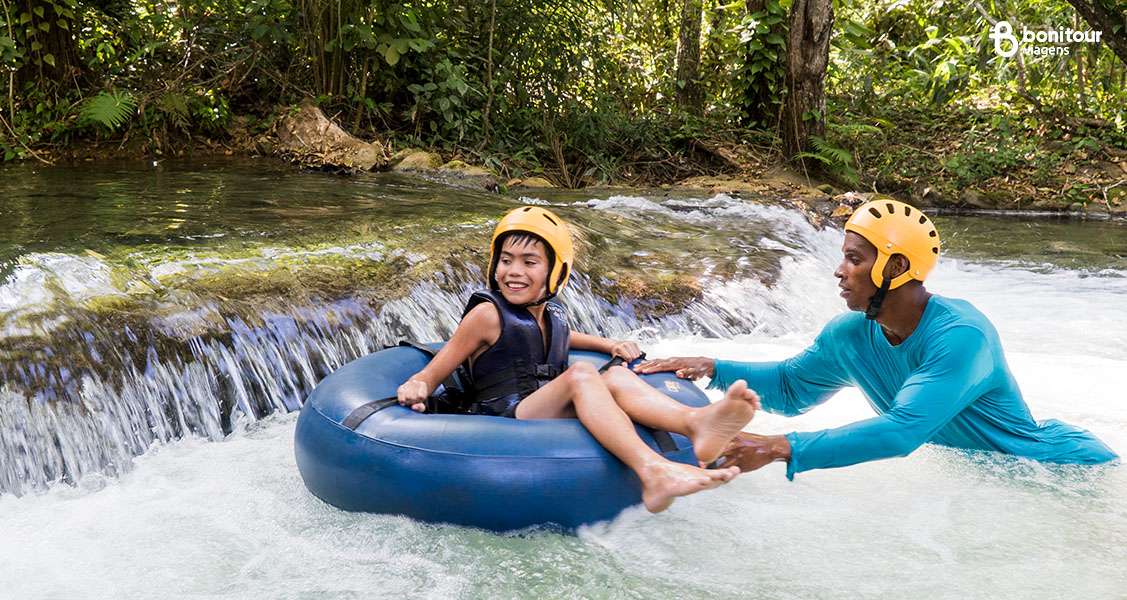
(853, 273)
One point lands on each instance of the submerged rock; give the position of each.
(460, 168)
(413, 159)
(536, 182)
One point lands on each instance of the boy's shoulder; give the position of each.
(483, 315)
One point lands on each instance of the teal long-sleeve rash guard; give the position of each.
(948, 383)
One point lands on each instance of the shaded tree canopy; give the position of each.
(592, 90)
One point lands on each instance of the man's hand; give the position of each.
(749, 451)
(686, 367)
(413, 394)
(627, 350)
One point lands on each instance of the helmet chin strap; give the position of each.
(538, 302)
(546, 298)
(878, 299)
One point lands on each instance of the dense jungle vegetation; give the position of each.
(887, 94)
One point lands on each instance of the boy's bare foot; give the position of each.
(663, 481)
(715, 425)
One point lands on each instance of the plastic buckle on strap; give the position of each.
(546, 371)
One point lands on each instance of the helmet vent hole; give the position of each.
(551, 220)
(932, 233)
(907, 210)
(526, 209)
(875, 212)
(923, 219)
(891, 208)
(935, 250)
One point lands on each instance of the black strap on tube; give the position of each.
(362, 412)
(664, 440)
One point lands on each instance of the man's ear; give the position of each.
(897, 265)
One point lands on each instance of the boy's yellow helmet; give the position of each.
(897, 228)
(545, 225)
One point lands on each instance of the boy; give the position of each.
(515, 345)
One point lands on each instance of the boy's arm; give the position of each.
(627, 350)
(477, 331)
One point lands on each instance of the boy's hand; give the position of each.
(687, 367)
(627, 350)
(413, 394)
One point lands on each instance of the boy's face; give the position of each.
(522, 271)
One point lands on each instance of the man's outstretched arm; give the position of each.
(790, 387)
(951, 379)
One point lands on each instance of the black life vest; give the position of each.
(517, 365)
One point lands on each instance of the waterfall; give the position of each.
(86, 389)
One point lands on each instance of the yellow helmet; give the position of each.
(896, 228)
(545, 225)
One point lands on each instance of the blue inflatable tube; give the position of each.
(488, 472)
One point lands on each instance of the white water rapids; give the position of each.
(232, 519)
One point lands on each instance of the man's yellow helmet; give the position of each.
(897, 228)
(545, 225)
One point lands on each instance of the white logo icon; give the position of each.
(1004, 32)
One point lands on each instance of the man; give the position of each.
(931, 367)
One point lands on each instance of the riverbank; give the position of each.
(959, 160)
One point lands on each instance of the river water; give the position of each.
(158, 325)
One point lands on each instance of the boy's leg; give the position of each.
(582, 387)
(710, 428)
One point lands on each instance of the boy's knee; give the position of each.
(581, 371)
(617, 375)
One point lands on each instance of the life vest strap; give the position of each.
(508, 381)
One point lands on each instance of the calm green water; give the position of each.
(249, 202)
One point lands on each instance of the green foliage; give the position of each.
(759, 79)
(24, 41)
(836, 161)
(176, 110)
(939, 51)
(580, 91)
(111, 108)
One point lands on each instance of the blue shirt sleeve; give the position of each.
(958, 367)
(790, 387)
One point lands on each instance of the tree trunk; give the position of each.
(51, 60)
(1102, 18)
(688, 58)
(808, 51)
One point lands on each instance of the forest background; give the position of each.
(908, 97)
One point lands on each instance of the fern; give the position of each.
(836, 154)
(175, 108)
(112, 108)
(836, 160)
